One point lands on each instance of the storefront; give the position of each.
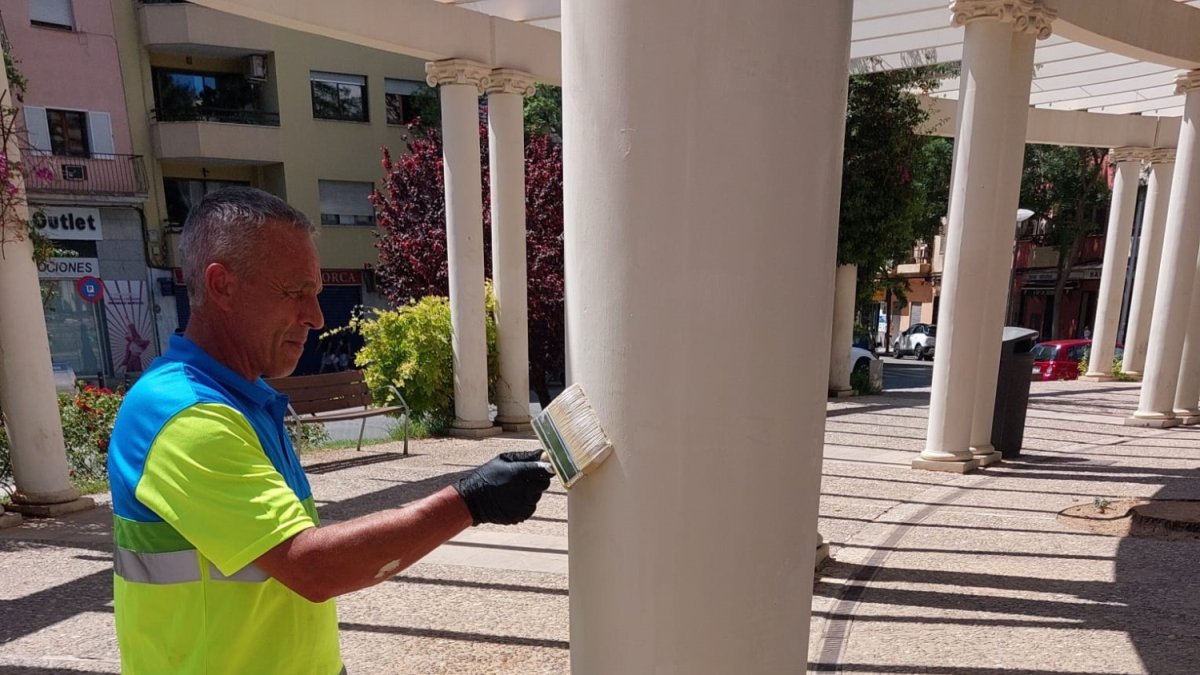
(344, 291)
(99, 316)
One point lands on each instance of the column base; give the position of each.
(474, 430)
(842, 393)
(1152, 420)
(51, 510)
(822, 555)
(1187, 417)
(949, 466)
(1097, 377)
(514, 423)
(1132, 374)
(985, 454)
(9, 519)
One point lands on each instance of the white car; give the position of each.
(918, 340)
(861, 360)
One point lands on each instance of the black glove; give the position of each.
(506, 490)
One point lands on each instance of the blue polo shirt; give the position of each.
(204, 482)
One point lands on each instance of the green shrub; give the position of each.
(87, 415)
(306, 437)
(860, 381)
(1117, 364)
(409, 348)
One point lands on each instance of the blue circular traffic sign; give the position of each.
(90, 289)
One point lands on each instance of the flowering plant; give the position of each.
(88, 415)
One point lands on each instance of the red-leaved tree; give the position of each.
(411, 215)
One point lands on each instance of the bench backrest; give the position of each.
(325, 392)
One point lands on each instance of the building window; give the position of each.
(183, 96)
(398, 99)
(52, 14)
(339, 97)
(346, 203)
(68, 132)
(184, 193)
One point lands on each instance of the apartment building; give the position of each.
(219, 100)
(135, 109)
(86, 185)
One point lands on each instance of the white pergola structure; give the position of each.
(694, 277)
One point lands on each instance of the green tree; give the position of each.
(894, 179)
(543, 111)
(1067, 189)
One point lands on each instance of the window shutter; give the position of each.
(37, 128)
(52, 12)
(402, 87)
(345, 198)
(100, 134)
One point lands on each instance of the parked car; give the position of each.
(918, 339)
(1059, 359)
(861, 358)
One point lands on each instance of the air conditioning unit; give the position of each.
(256, 67)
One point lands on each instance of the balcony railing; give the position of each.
(99, 174)
(224, 115)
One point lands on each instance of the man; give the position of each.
(220, 566)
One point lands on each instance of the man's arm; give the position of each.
(324, 562)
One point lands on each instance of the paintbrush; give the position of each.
(570, 432)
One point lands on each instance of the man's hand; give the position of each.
(506, 490)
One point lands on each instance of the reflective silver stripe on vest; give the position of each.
(177, 567)
(250, 573)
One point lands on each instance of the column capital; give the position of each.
(1027, 16)
(509, 81)
(1128, 154)
(1187, 82)
(1161, 156)
(458, 71)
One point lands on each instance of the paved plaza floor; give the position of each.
(931, 573)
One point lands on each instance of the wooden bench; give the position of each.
(335, 397)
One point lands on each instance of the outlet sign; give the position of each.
(68, 222)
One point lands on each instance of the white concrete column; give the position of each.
(1172, 299)
(999, 265)
(27, 397)
(1128, 162)
(662, 292)
(506, 161)
(978, 160)
(461, 82)
(1187, 392)
(844, 287)
(1145, 279)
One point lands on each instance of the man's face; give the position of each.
(275, 302)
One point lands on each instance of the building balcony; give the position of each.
(913, 269)
(184, 28)
(206, 140)
(99, 175)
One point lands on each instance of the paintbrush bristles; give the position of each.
(579, 425)
(571, 434)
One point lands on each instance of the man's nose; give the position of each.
(313, 318)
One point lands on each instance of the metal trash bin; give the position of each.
(1012, 390)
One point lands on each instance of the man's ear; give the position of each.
(220, 285)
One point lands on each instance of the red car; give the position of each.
(1059, 359)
